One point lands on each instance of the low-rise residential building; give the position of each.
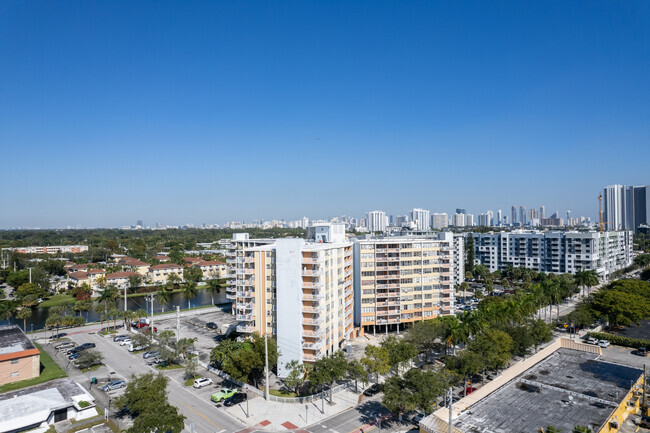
(121, 279)
(404, 279)
(38, 407)
(135, 265)
(19, 358)
(297, 290)
(158, 274)
(212, 269)
(53, 249)
(555, 252)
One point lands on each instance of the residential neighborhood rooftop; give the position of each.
(13, 339)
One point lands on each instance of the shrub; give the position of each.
(83, 404)
(619, 340)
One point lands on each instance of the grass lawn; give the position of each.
(50, 370)
(189, 382)
(93, 368)
(55, 300)
(282, 393)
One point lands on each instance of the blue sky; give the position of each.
(205, 112)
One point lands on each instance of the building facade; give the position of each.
(439, 221)
(555, 252)
(421, 219)
(404, 279)
(19, 358)
(298, 290)
(376, 221)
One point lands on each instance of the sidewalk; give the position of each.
(289, 416)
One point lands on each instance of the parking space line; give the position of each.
(203, 416)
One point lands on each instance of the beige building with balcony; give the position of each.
(400, 280)
(298, 290)
(158, 274)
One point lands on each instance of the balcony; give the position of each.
(249, 271)
(245, 317)
(311, 272)
(313, 333)
(313, 320)
(246, 294)
(241, 306)
(231, 296)
(309, 358)
(231, 282)
(311, 261)
(306, 309)
(312, 297)
(244, 329)
(316, 345)
(311, 285)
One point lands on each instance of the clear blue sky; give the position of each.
(113, 111)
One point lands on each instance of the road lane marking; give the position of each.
(202, 416)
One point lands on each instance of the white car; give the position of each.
(125, 342)
(592, 340)
(202, 381)
(603, 343)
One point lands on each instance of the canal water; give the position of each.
(39, 315)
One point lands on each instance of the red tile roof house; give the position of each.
(159, 273)
(121, 279)
(134, 265)
(212, 269)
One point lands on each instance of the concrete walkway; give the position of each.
(288, 416)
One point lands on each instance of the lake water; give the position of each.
(39, 315)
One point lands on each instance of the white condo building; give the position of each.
(421, 219)
(376, 221)
(298, 290)
(439, 221)
(554, 252)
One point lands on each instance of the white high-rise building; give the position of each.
(499, 221)
(421, 218)
(469, 220)
(614, 207)
(439, 220)
(458, 220)
(376, 221)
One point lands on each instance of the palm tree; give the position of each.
(190, 291)
(113, 313)
(455, 332)
(81, 306)
(163, 297)
(24, 313)
(128, 316)
(172, 281)
(107, 296)
(166, 335)
(140, 313)
(586, 279)
(7, 310)
(214, 286)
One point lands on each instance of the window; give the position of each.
(14, 361)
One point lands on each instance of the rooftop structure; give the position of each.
(19, 358)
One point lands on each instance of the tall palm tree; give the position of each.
(7, 310)
(107, 296)
(190, 291)
(163, 297)
(24, 313)
(214, 286)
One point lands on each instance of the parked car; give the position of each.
(65, 345)
(202, 381)
(88, 346)
(74, 356)
(133, 348)
(235, 399)
(57, 336)
(125, 341)
(141, 325)
(592, 340)
(115, 384)
(75, 350)
(119, 338)
(150, 354)
(642, 351)
(374, 389)
(223, 394)
(603, 343)
(211, 325)
(417, 418)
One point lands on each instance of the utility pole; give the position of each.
(178, 322)
(151, 323)
(266, 362)
(451, 400)
(30, 275)
(124, 298)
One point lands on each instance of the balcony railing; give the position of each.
(231, 296)
(313, 345)
(311, 272)
(246, 294)
(248, 306)
(313, 333)
(306, 309)
(312, 297)
(245, 317)
(245, 329)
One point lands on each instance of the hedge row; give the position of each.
(620, 341)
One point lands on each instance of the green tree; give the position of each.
(163, 297)
(191, 367)
(541, 332)
(135, 281)
(469, 253)
(586, 279)
(494, 346)
(28, 294)
(296, 377)
(426, 336)
(214, 286)
(581, 429)
(189, 292)
(376, 360)
(621, 308)
(400, 352)
(466, 364)
(357, 372)
(89, 358)
(24, 313)
(82, 306)
(146, 399)
(7, 310)
(192, 274)
(328, 370)
(173, 281)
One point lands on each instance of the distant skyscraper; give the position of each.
(513, 220)
(377, 221)
(439, 220)
(140, 223)
(499, 218)
(401, 220)
(637, 206)
(614, 207)
(458, 220)
(421, 219)
(522, 215)
(469, 220)
(542, 212)
(461, 210)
